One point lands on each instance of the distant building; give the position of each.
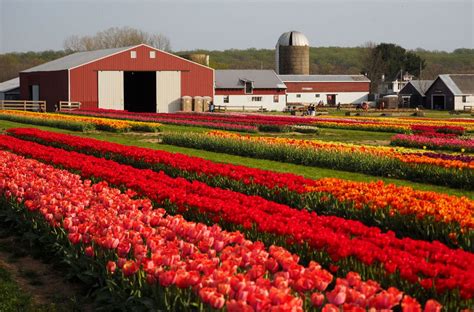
(451, 92)
(249, 88)
(326, 89)
(394, 86)
(138, 78)
(413, 93)
(10, 89)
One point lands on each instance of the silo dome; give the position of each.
(293, 38)
(292, 54)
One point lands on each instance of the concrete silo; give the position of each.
(292, 54)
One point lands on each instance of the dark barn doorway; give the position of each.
(139, 91)
(331, 99)
(439, 102)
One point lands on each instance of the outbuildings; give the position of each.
(326, 89)
(413, 93)
(249, 89)
(451, 92)
(138, 79)
(10, 89)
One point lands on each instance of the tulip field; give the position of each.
(178, 224)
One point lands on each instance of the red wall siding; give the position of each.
(327, 86)
(196, 80)
(53, 86)
(255, 91)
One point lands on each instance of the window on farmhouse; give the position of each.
(248, 87)
(256, 98)
(152, 54)
(318, 95)
(276, 99)
(226, 99)
(133, 54)
(298, 95)
(464, 99)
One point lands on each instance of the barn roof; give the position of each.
(10, 85)
(324, 78)
(420, 85)
(236, 78)
(459, 84)
(76, 59)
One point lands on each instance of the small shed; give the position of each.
(390, 101)
(413, 93)
(10, 89)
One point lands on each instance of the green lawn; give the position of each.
(149, 141)
(346, 136)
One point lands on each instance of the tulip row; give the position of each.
(406, 156)
(422, 268)
(78, 123)
(214, 120)
(260, 122)
(419, 141)
(438, 131)
(377, 161)
(172, 119)
(133, 242)
(360, 125)
(457, 126)
(401, 209)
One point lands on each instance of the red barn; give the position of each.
(139, 78)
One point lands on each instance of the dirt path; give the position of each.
(41, 281)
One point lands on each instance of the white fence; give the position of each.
(68, 106)
(23, 105)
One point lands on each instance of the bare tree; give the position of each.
(116, 37)
(373, 66)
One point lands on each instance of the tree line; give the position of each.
(370, 59)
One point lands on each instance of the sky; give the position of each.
(36, 25)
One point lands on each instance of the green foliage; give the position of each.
(12, 63)
(323, 60)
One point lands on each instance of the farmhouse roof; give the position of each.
(10, 85)
(324, 78)
(236, 78)
(420, 85)
(459, 84)
(76, 59)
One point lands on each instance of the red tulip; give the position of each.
(89, 251)
(432, 306)
(129, 268)
(167, 278)
(317, 299)
(410, 305)
(111, 267)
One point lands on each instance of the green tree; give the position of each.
(397, 59)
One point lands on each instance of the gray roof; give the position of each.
(420, 85)
(324, 78)
(459, 84)
(235, 78)
(10, 85)
(74, 60)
